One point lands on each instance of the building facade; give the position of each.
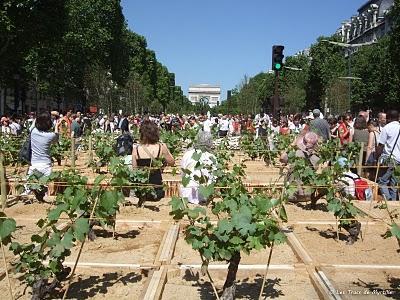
(205, 93)
(371, 23)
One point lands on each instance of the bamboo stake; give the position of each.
(360, 159)
(90, 150)
(209, 278)
(80, 250)
(73, 152)
(3, 187)
(370, 204)
(266, 271)
(6, 269)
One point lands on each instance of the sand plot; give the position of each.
(320, 243)
(132, 245)
(293, 284)
(365, 284)
(88, 283)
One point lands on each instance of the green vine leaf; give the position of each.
(55, 213)
(81, 228)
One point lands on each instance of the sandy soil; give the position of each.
(88, 284)
(319, 241)
(282, 285)
(360, 284)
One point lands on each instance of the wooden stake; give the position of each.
(209, 278)
(72, 152)
(90, 150)
(80, 250)
(3, 187)
(266, 271)
(6, 269)
(360, 159)
(370, 204)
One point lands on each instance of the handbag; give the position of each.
(25, 153)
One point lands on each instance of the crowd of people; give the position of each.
(380, 135)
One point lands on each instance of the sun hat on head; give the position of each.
(204, 140)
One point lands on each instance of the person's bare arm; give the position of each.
(370, 146)
(167, 155)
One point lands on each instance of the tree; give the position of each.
(327, 63)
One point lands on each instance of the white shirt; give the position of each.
(347, 181)
(223, 125)
(191, 191)
(388, 137)
(207, 124)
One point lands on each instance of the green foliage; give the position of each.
(324, 182)
(10, 147)
(7, 227)
(54, 242)
(61, 149)
(245, 222)
(173, 141)
(104, 147)
(258, 148)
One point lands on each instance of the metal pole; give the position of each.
(276, 101)
(3, 187)
(349, 72)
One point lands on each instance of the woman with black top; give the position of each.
(146, 154)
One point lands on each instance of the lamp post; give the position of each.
(348, 47)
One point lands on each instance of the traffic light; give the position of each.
(277, 57)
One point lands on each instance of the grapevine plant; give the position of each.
(258, 148)
(394, 214)
(246, 222)
(304, 180)
(76, 206)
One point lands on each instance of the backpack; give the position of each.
(124, 145)
(25, 153)
(362, 191)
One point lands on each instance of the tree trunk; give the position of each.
(229, 285)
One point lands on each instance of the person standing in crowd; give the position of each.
(203, 146)
(124, 124)
(76, 127)
(388, 151)
(320, 126)
(360, 130)
(5, 126)
(223, 127)
(295, 126)
(145, 153)
(15, 126)
(373, 137)
(344, 129)
(41, 140)
(333, 125)
(381, 120)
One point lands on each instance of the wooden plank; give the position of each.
(241, 267)
(298, 247)
(329, 290)
(167, 246)
(156, 285)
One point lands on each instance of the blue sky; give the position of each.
(221, 41)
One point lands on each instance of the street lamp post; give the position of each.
(348, 48)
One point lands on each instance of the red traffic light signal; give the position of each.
(277, 57)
